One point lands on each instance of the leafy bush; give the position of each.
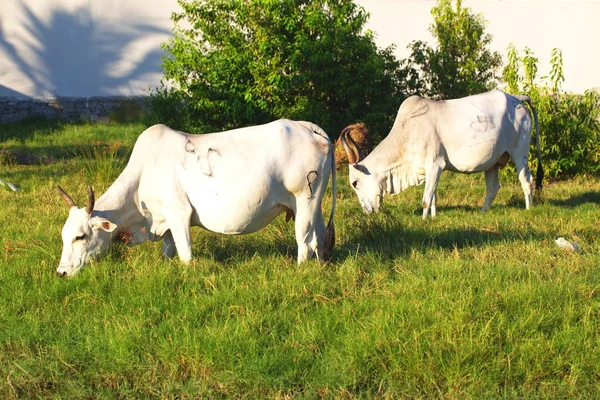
(461, 64)
(569, 123)
(233, 63)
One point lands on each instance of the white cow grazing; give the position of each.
(232, 182)
(473, 134)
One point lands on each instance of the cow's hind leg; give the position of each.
(183, 242)
(178, 218)
(431, 182)
(433, 206)
(524, 178)
(310, 229)
(492, 183)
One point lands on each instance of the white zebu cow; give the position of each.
(232, 182)
(473, 134)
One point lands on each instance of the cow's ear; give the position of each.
(102, 223)
(361, 168)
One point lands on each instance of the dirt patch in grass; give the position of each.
(18, 158)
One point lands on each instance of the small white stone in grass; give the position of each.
(13, 187)
(565, 244)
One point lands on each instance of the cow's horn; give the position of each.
(91, 200)
(350, 146)
(68, 199)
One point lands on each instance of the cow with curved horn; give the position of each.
(472, 134)
(360, 135)
(232, 182)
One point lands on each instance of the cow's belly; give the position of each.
(235, 210)
(233, 218)
(477, 157)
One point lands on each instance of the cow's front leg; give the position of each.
(492, 183)
(431, 181)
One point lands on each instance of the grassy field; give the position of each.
(467, 305)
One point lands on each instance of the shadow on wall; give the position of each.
(8, 92)
(71, 54)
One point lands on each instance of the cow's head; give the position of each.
(84, 235)
(367, 184)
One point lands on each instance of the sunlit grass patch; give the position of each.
(101, 162)
(466, 305)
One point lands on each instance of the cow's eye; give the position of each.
(77, 238)
(355, 184)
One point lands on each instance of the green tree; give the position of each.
(569, 123)
(461, 64)
(233, 63)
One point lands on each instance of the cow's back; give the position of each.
(239, 180)
(475, 131)
(149, 150)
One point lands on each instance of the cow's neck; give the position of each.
(388, 153)
(118, 205)
(391, 168)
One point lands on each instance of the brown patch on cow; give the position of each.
(361, 135)
(125, 235)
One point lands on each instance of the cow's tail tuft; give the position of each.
(539, 176)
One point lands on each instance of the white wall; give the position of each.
(112, 47)
(81, 47)
(571, 25)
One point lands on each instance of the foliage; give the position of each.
(467, 305)
(569, 123)
(461, 64)
(232, 63)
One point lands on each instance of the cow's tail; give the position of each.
(330, 230)
(539, 176)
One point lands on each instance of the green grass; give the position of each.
(468, 305)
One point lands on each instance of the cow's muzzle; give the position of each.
(65, 272)
(369, 207)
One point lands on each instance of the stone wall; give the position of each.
(72, 108)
